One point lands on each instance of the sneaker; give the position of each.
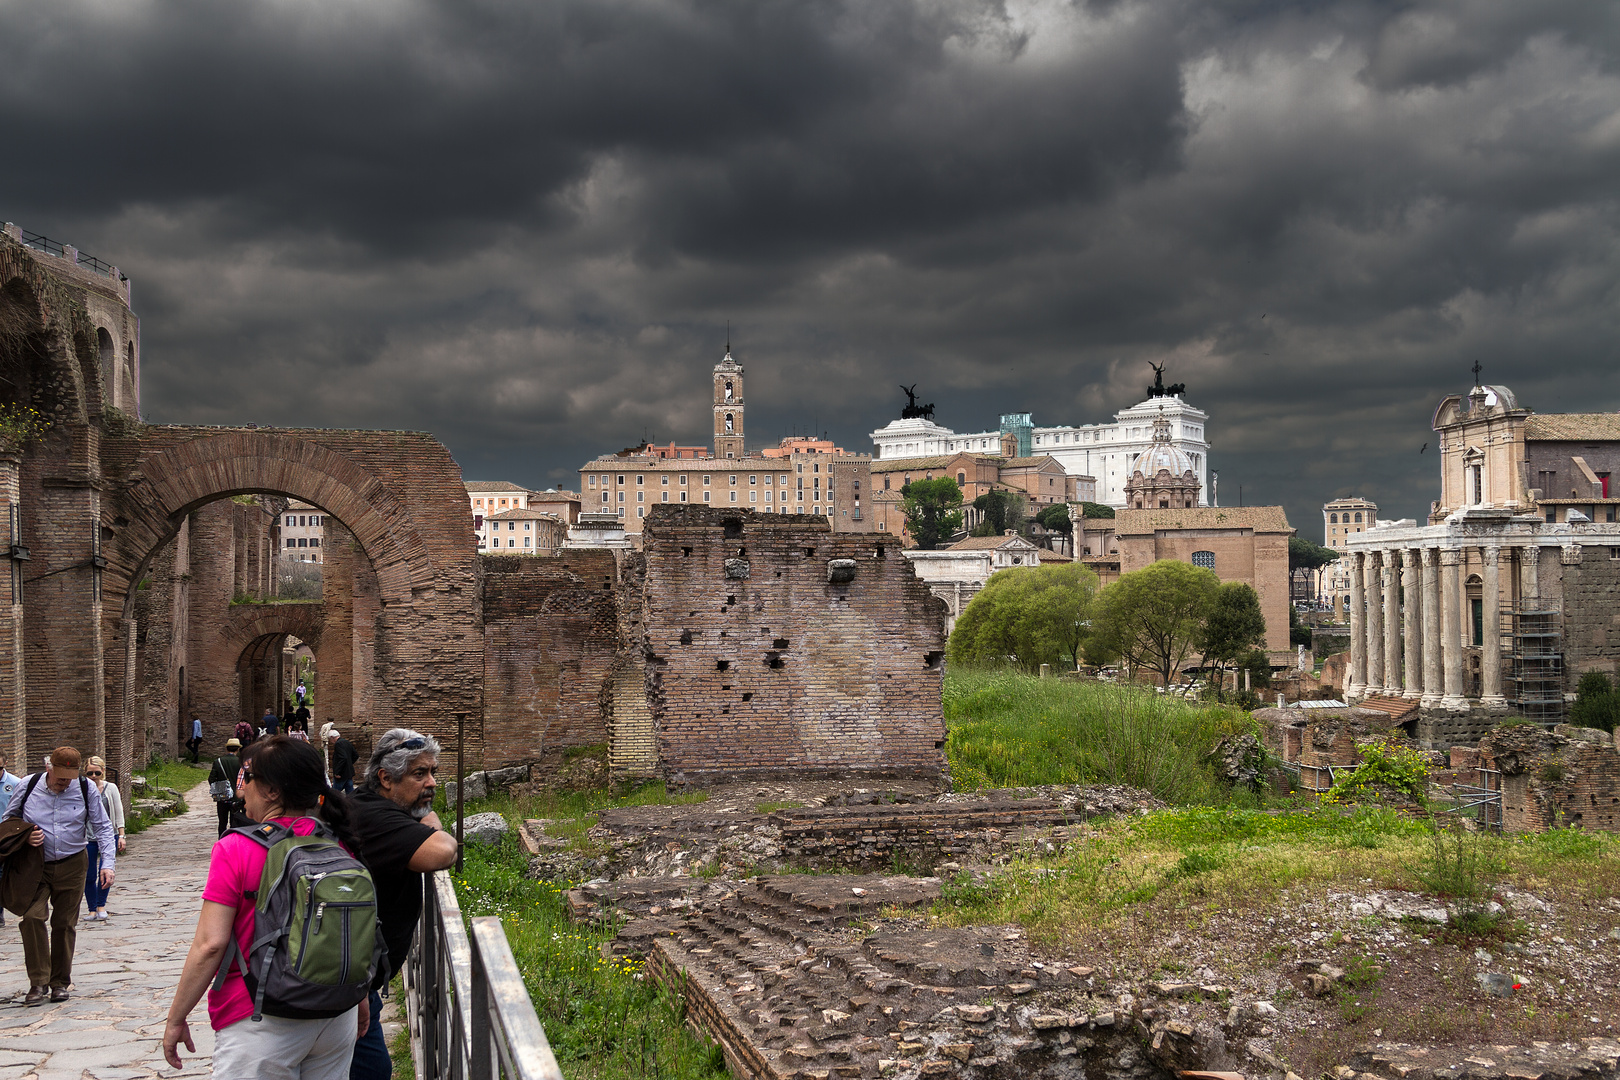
(37, 995)
(100, 916)
(59, 993)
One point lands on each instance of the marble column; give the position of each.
(1356, 682)
(1530, 584)
(1392, 623)
(1432, 689)
(1412, 591)
(1451, 628)
(1373, 573)
(1490, 657)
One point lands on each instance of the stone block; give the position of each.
(483, 829)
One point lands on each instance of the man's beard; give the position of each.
(422, 809)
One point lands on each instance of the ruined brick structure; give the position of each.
(102, 503)
(775, 646)
(1567, 777)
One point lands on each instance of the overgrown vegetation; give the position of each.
(1597, 704)
(21, 425)
(1386, 767)
(1034, 616)
(602, 1017)
(1007, 728)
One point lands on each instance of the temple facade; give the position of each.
(1507, 595)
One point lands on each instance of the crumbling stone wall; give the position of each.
(550, 638)
(776, 647)
(1566, 777)
(1591, 581)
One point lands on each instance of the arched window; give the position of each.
(961, 478)
(728, 422)
(1333, 519)
(1358, 516)
(1206, 559)
(109, 356)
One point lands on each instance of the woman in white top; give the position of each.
(94, 895)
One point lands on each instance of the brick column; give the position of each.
(334, 656)
(1392, 623)
(13, 688)
(1412, 590)
(1451, 629)
(1373, 573)
(1356, 682)
(1490, 659)
(1432, 680)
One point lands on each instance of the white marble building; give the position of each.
(1105, 451)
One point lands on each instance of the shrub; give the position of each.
(1597, 705)
(1385, 766)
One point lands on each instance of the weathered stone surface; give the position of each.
(483, 828)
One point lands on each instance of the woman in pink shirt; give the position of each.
(284, 781)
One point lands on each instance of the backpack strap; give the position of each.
(84, 793)
(28, 790)
(266, 834)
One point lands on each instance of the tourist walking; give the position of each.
(95, 893)
(222, 781)
(283, 783)
(194, 744)
(268, 722)
(400, 839)
(66, 816)
(245, 733)
(343, 758)
(9, 783)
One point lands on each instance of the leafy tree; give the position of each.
(1596, 705)
(1298, 632)
(1055, 518)
(1001, 510)
(1234, 626)
(1154, 617)
(1306, 555)
(1096, 510)
(1037, 615)
(933, 510)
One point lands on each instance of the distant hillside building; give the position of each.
(1106, 452)
(303, 528)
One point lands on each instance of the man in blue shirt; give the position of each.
(66, 814)
(194, 744)
(269, 720)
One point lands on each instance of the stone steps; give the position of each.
(1398, 709)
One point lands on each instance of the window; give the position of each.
(512, 542)
(733, 481)
(665, 481)
(604, 496)
(705, 479)
(705, 496)
(621, 496)
(961, 478)
(291, 542)
(641, 496)
(526, 541)
(525, 526)
(753, 496)
(1333, 519)
(302, 542)
(752, 480)
(683, 496)
(314, 541)
(640, 479)
(641, 511)
(1358, 518)
(621, 479)
(683, 479)
(665, 495)
(1206, 559)
(593, 479)
(292, 519)
(733, 496)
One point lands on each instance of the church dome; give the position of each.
(1163, 455)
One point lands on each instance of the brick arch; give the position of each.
(190, 472)
(249, 622)
(249, 637)
(401, 497)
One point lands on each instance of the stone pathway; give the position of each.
(124, 969)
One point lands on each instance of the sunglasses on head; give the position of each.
(413, 744)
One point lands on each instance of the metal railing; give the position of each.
(470, 1016)
(52, 247)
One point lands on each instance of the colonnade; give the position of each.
(1430, 667)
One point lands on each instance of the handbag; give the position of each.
(221, 790)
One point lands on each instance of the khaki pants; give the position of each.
(49, 957)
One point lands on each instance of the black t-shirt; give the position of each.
(344, 756)
(388, 836)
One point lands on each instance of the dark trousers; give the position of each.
(48, 955)
(195, 746)
(94, 895)
(371, 1060)
(346, 785)
(224, 809)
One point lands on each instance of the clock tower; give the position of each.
(728, 407)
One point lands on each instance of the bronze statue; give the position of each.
(913, 411)
(1158, 389)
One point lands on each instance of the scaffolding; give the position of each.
(1536, 678)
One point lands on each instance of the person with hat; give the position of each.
(224, 772)
(343, 757)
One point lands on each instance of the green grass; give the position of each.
(182, 776)
(571, 812)
(1009, 729)
(1162, 866)
(602, 1017)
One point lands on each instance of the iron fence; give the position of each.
(52, 247)
(470, 1016)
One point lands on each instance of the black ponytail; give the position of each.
(296, 772)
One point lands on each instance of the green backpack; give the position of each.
(316, 942)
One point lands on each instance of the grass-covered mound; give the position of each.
(1009, 729)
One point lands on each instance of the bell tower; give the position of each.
(728, 407)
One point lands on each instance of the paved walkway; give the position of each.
(124, 969)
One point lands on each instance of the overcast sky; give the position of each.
(523, 226)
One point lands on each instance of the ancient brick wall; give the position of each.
(1565, 777)
(550, 638)
(777, 647)
(1591, 582)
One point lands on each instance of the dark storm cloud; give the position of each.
(523, 226)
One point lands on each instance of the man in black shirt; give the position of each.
(225, 770)
(400, 839)
(344, 755)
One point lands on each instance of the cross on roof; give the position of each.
(1476, 372)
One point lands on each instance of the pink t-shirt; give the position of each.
(235, 868)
